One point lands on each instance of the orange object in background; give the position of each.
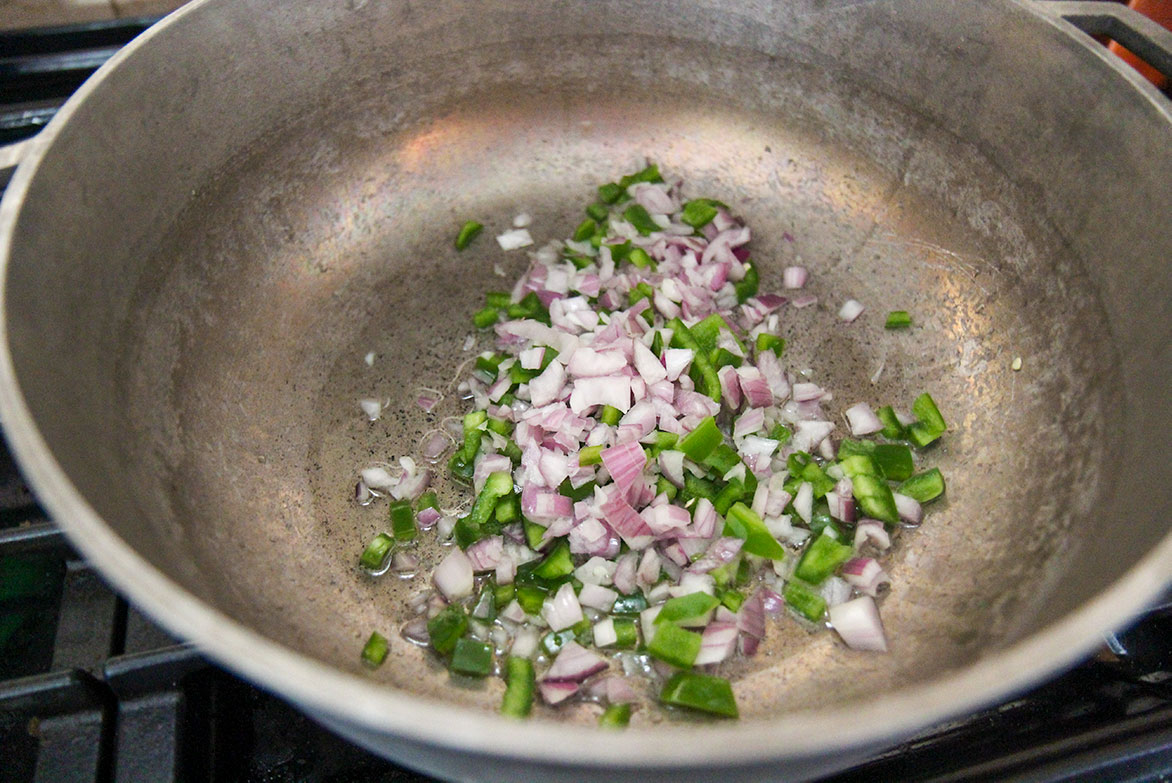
(1159, 11)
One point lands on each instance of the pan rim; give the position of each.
(316, 686)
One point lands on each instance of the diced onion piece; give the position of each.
(372, 408)
(850, 310)
(562, 609)
(794, 276)
(857, 622)
(453, 576)
(862, 419)
(515, 239)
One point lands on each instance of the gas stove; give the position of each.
(91, 690)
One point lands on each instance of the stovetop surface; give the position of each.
(91, 690)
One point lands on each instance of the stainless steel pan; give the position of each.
(202, 247)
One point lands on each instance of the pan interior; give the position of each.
(243, 360)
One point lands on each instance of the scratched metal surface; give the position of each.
(206, 346)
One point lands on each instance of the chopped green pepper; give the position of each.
(685, 608)
(403, 521)
(447, 627)
(611, 192)
(674, 645)
(681, 337)
(699, 212)
(744, 523)
(557, 564)
(531, 598)
(640, 218)
(804, 600)
(747, 286)
(375, 650)
(467, 233)
(520, 679)
(822, 556)
(700, 692)
(585, 230)
(898, 319)
(930, 424)
(485, 318)
(875, 498)
(589, 455)
(649, 174)
(702, 441)
(374, 557)
(925, 486)
(498, 299)
(770, 342)
(894, 460)
(615, 716)
(597, 212)
(471, 657)
(892, 429)
(626, 634)
(427, 500)
(732, 600)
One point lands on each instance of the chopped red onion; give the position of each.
(624, 463)
(372, 408)
(515, 239)
(804, 301)
(556, 691)
(612, 689)
(771, 602)
(751, 617)
(562, 609)
(749, 422)
(453, 576)
(506, 570)
(909, 509)
(809, 434)
(804, 501)
(625, 572)
(378, 479)
(794, 276)
(415, 631)
(676, 361)
(862, 419)
(544, 507)
(434, 446)
(866, 574)
(872, 531)
(858, 623)
(665, 518)
(597, 597)
(486, 465)
(755, 388)
(574, 663)
(404, 562)
(850, 310)
(718, 642)
(648, 573)
(486, 553)
(730, 386)
(411, 485)
(704, 518)
(547, 387)
(610, 390)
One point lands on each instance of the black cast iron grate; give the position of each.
(90, 690)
